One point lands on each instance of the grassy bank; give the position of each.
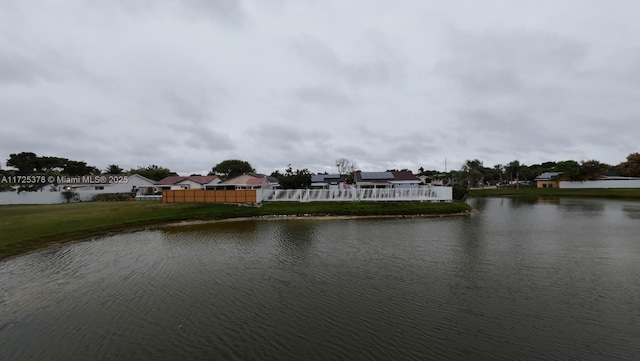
(550, 192)
(28, 227)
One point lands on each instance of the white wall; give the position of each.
(445, 193)
(38, 197)
(108, 188)
(601, 184)
(121, 184)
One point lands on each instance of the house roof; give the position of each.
(547, 175)
(194, 178)
(202, 179)
(170, 180)
(138, 175)
(404, 175)
(269, 178)
(325, 178)
(617, 177)
(245, 178)
(386, 177)
(373, 176)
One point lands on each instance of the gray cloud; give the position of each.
(372, 68)
(227, 12)
(322, 96)
(187, 84)
(513, 63)
(15, 68)
(186, 108)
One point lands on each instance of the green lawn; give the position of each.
(537, 192)
(27, 227)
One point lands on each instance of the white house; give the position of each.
(190, 182)
(85, 187)
(249, 181)
(328, 181)
(390, 179)
(108, 183)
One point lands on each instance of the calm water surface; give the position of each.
(546, 279)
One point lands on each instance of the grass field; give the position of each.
(27, 227)
(550, 192)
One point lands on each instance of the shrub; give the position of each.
(113, 197)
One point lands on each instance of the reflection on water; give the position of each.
(523, 279)
(632, 211)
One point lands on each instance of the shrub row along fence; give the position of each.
(209, 196)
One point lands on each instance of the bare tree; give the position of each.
(345, 166)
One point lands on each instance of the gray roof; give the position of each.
(376, 175)
(326, 178)
(548, 175)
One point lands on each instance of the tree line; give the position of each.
(29, 163)
(473, 172)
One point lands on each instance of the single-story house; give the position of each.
(190, 182)
(548, 180)
(108, 183)
(404, 179)
(328, 181)
(249, 181)
(390, 179)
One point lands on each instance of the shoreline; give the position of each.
(528, 192)
(32, 228)
(187, 223)
(315, 217)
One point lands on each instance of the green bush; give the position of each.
(113, 197)
(460, 192)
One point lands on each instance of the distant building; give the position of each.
(190, 182)
(548, 180)
(390, 179)
(328, 181)
(249, 181)
(605, 182)
(108, 183)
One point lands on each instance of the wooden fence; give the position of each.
(209, 196)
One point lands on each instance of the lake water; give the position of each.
(520, 280)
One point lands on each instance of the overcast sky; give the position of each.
(185, 84)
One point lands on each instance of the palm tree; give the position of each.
(500, 170)
(473, 171)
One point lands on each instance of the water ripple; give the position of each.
(403, 289)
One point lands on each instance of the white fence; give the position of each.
(429, 194)
(601, 184)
